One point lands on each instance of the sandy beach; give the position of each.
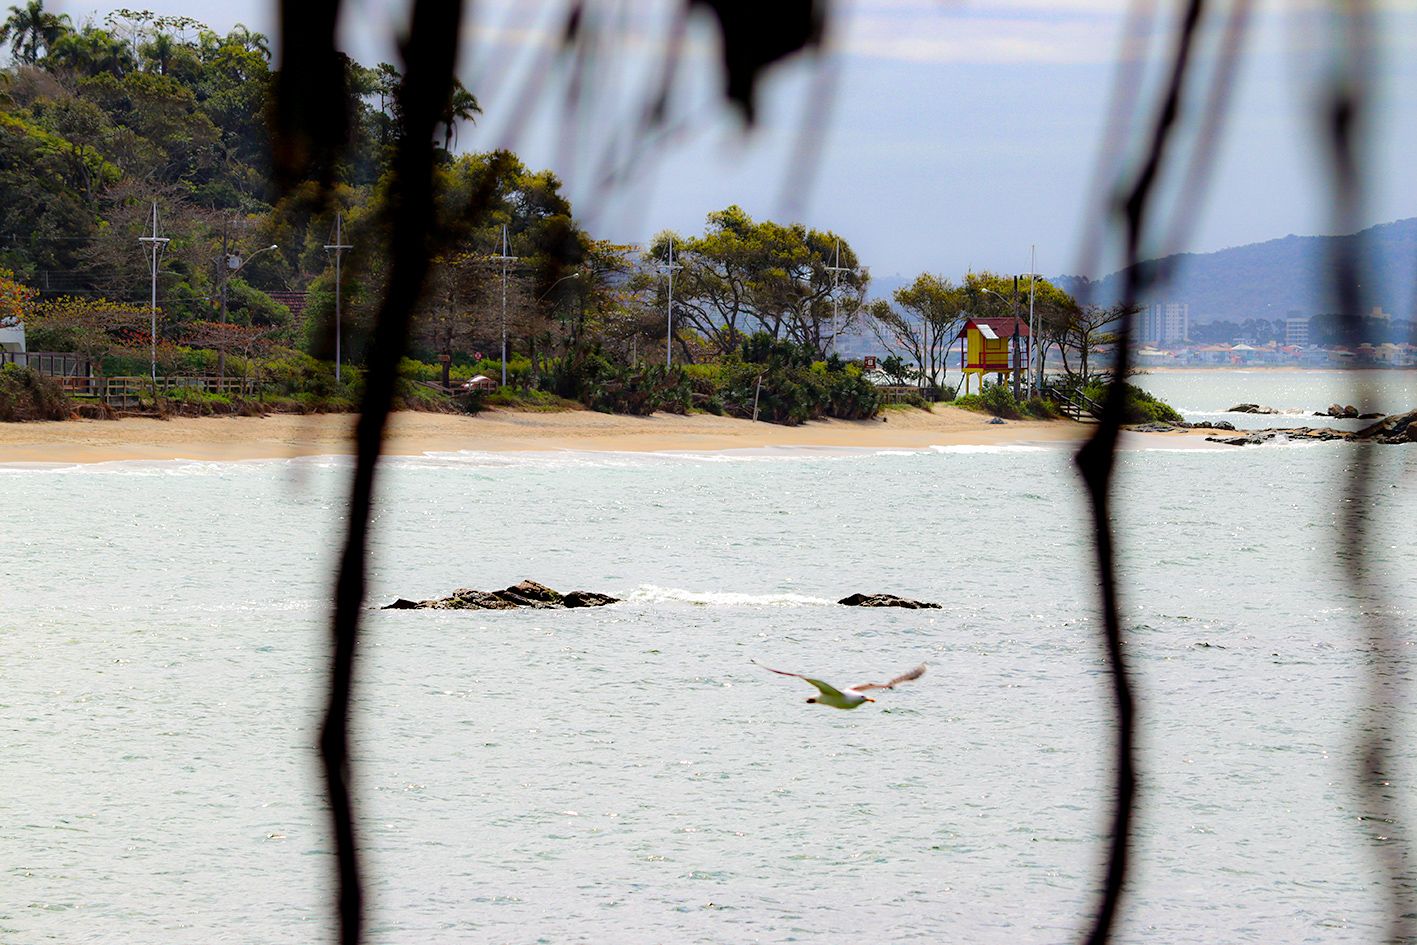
(286, 436)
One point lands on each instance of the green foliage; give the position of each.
(1140, 406)
(788, 386)
(25, 394)
(539, 400)
(996, 399)
(636, 389)
(193, 402)
(292, 373)
(1040, 408)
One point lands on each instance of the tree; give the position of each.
(1091, 327)
(15, 298)
(95, 328)
(228, 339)
(744, 276)
(448, 321)
(30, 29)
(921, 321)
(89, 52)
(462, 106)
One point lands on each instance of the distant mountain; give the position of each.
(1272, 279)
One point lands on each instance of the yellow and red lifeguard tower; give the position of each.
(991, 346)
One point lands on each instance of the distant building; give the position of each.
(12, 336)
(1296, 331)
(1166, 323)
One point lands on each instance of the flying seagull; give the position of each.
(853, 696)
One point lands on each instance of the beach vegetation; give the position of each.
(25, 394)
(1140, 406)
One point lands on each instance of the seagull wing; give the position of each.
(915, 673)
(826, 689)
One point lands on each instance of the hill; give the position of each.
(1274, 278)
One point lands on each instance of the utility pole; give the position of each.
(1034, 381)
(338, 247)
(157, 244)
(669, 268)
(504, 259)
(1018, 354)
(836, 269)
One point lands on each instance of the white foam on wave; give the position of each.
(615, 459)
(997, 448)
(653, 593)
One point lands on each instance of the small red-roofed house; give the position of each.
(991, 346)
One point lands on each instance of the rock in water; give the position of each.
(527, 594)
(587, 599)
(886, 600)
(1398, 428)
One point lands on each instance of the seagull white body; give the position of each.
(852, 696)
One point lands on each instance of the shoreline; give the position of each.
(290, 436)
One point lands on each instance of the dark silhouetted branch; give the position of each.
(1097, 460)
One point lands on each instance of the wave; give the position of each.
(654, 594)
(997, 448)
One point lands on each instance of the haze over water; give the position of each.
(626, 774)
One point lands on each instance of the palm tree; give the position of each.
(160, 52)
(462, 106)
(30, 29)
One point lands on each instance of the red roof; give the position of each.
(1002, 327)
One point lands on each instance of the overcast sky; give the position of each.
(958, 134)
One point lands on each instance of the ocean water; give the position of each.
(627, 774)
(1209, 394)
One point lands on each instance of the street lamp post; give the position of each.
(232, 266)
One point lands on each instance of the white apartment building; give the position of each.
(1296, 331)
(1166, 323)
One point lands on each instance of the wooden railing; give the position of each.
(128, 391)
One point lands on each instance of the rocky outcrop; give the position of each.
(1170, 426)
(886, 600)
(527, 594)
(1398, 428)
(1395, 429)
(1284, 434)
(1251, 408)
(1340, 412)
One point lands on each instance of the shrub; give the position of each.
(637, 389)
(1140, 406)
(996, 399)
(25, 394)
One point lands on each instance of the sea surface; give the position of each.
(628, 774)
(1208, 395)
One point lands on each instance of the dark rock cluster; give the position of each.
(886, 600)
(526, 594)
(1168, 426)
(1396, 429)
(1251, 408)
